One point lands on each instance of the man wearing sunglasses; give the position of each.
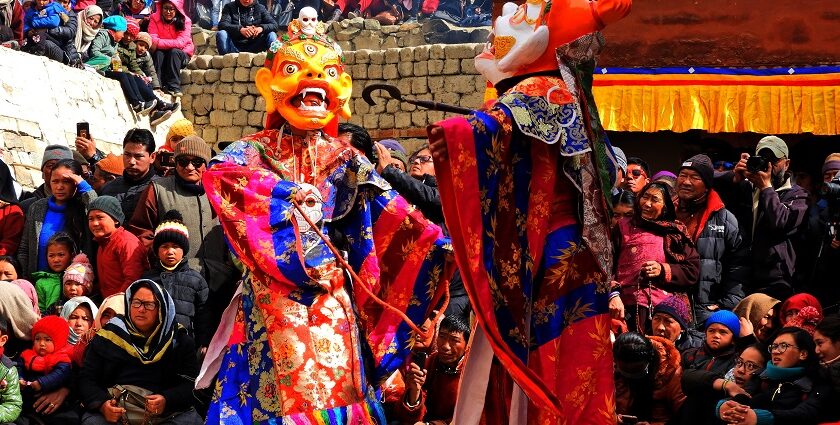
(770, 209)
(638, 175)
(184, 192)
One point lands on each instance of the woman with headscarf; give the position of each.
(758, 316)
(792, 306)
(145, 352)
(90, 20)
(111, 307)
(16, 307)
(655, 258)
(172, 43)
(11, 216)
(79, 312)
(29, 289)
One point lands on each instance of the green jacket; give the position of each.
(148, 67)
(10, 399)
(128, 57)
(102, 49)
(48, 287)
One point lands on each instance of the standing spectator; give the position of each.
(106, 170)
(52, 154)
(672, 321)
(186, 286)
(647, 378)
(655, 257)
(147, 349)
(758, 316)
(432, 389)
(246, 26)
(50, 31)
(623, 203)
(790, 391)
(10, 401)
(827, 341)
(11, 216)
(183, 191)
(620, 170)
(90, 21)
(820, 250)
(138, 156)
(11, 17)
(165, 156)
(171, 42)
(120, 258)
(62, 211)
(638, 175)
(770, 211)
(723, 255)
(144, 58)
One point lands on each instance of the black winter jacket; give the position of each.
(423, 193)
(128, 191)
(189, 291)
(172, 376)
(799, 402)
(780, 216)
(235, 17)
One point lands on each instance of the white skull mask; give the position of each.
(308, 18)
(311, 206)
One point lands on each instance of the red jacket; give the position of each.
(437, 398)
(120, 260)
(165, 36)
(11, 229)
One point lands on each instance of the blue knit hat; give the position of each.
(725, 318)
(115, 23)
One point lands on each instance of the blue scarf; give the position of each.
(776, 373)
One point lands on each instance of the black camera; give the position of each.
(831, 190)
(756, 163)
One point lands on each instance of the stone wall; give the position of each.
(222, 100)
(42, 100)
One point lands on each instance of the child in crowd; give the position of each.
(78, 278)
(186, 286)
(144, 58)
(46, 366)
(111, 307)
(60, 250)
(120, 258)
(126, 49)
(10, 401)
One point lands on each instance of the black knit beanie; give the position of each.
(172, 229)
(703, 165)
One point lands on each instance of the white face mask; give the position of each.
(308, 18)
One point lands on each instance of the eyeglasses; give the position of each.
(147, 305)
(421, 159)
(751, 367)
(636, 173)
(780, 347)
(196, 162)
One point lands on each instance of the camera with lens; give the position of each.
(830, 191)
(756, 163)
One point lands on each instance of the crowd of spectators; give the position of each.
(115, 275)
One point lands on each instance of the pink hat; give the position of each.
(80, 270)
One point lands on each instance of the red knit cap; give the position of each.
(54, 326)
(132, 27)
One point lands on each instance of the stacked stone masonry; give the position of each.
(220, 96)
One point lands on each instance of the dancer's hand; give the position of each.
(437, 143)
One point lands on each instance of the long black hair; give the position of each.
(806, 343)
(75, 216)
(178, 22)
(830, 327)
(7, 185)
(633, 347)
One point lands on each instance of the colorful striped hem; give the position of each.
(363, 413)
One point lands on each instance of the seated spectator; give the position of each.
(705, 369)
(246, 26)
(622, 205)
(758, 316)
(127, 50)
(791, 307)
(79, 313)
(827, 349)
(62, 211)
(647, 379)
(431, 390)
(186, 286)
(10, 400)
(11, 23)
(105, 59)
(52, 154)
(672, 321)
(50, 31)
(772, 223)
(29, 289)
(111, 307)
(748, 367)
(138, 156)
(473, 13)
(8, 268)
(170, 29)
(655, 258)
(16, 307)
(147, 350)
(136, 9)
(46, 367)
(638, 175)
(790, 391)
(60, 251)
(106, 170)
(120, 258)
(11, 216)
(77, 280)
(90, 21)
(723, 254)
(144, 58)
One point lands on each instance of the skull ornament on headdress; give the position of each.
(308, 18)
(525, 37)
(303, 81)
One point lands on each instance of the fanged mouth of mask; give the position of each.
(311, 99)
